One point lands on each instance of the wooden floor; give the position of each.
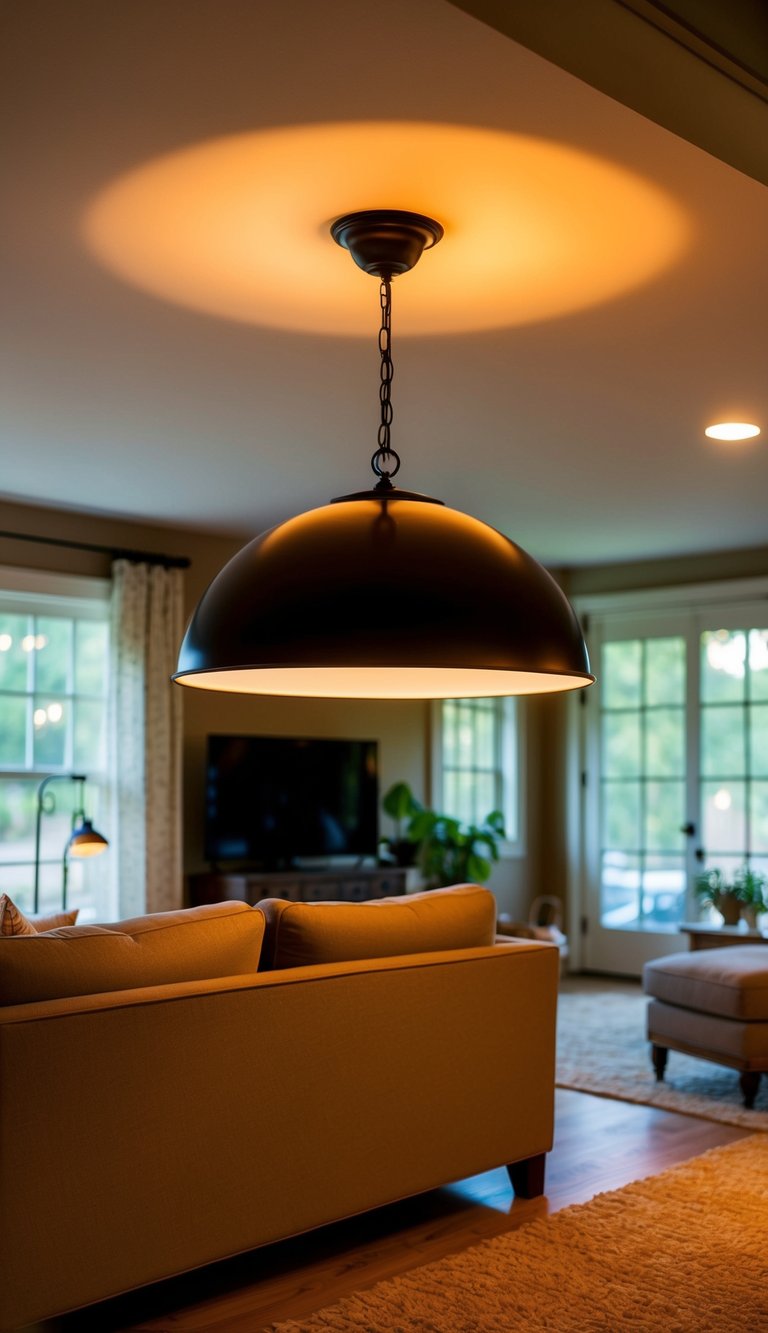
(599, 1145)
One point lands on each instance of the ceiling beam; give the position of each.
(697, 67)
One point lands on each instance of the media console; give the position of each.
(304, 886)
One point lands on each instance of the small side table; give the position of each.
(701, 936)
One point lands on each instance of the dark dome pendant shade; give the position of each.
(384, 594)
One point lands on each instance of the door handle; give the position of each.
(688, 829)
(699, 853)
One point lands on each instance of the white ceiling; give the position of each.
(580, 437)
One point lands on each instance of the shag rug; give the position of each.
(682, 1252)
(602, 1049)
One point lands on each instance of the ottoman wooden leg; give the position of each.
(659, 1056)
(750, 1082)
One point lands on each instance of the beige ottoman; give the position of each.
(712, 1004)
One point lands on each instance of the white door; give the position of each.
(675, 773)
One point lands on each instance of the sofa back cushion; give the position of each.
(222, 940)
(300, 934)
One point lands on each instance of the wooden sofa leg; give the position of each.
(750, 1082)
(659, 1056)
(528, 1176)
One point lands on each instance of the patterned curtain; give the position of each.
(145, 738)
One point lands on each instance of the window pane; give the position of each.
(485, 795)
(723, 659)
(622, 664)
(449, 734)
(664, 815)
(665, 743)
(18, 807)
(89, 749)
(52, 654)
(759, 816)
(722, 742)
(13, 731)
(621, 815)
(758, 663)
(621, 745)
(13, 659)
(758, 739)
(91, 648)
(663, 892)
(723, 817)
(619, 890)
(485, 729)
(665, 671)
(49, 719)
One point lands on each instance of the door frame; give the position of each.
(642, 605)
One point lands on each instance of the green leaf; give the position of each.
(478, 869)
(399, 801)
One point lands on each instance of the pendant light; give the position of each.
(384, 593)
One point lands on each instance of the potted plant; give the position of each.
(401, 805)
(750, 888)
(744, 895)
(447, 850)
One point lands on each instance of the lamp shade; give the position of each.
(85, 841)
(384, 595)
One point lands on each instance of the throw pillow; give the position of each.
(299, 934)
(222, 940)
(14, 922)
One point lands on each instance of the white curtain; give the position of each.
(145, 738)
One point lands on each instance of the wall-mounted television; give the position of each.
(272, 801)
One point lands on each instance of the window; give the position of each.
(54, 669)
(477, 763)
(674, 761)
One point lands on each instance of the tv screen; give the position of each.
(273, 800)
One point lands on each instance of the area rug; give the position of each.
(682, 1252)
(602, 1049)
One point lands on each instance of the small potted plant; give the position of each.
(744, 895)
(750, 889)
(401, 805)
(712, 890)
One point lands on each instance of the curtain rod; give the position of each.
(116, 552)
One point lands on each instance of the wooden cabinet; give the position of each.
(302, 886)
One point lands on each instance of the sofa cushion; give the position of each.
(731, 982)
(221, 940)
(14, 922)
(299, 934)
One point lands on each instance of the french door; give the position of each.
(675, 771)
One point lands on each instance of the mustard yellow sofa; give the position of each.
(151, 1129)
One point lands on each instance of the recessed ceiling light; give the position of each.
(732, 430)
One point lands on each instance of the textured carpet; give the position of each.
(602, 1049)
(683, 1252)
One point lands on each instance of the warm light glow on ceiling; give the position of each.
(238, 226)
(732, 430)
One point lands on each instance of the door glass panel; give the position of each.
(643, 783)
(622, 665)
(723, 658)
(621, 745)
(758, 663)
(665, 671)
(722, 741)
(724, 827)
(665, 743)
(621, 814)
(758, 739)
(758, 816)
(664, 814)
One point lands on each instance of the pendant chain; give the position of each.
(385, 462)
